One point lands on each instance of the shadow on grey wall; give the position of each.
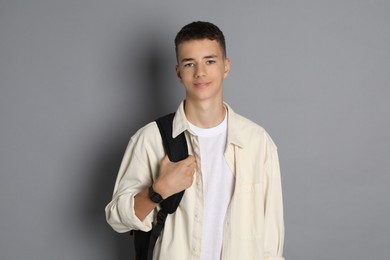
(147, 66)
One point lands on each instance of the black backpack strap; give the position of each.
(176, 149)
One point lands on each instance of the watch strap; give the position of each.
(154, 196)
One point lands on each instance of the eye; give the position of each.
(208, 62)
(188, 65)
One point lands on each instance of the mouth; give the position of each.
(201, 84)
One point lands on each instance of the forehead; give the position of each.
(199, 48)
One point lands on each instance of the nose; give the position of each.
(200, 70)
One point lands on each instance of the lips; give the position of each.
(201, 84)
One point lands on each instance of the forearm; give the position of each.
(143, 205)
(120, 214)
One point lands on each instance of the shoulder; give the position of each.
(250, 132)
(247, 124)
(146, 145)
(147, 130)
(147, 135)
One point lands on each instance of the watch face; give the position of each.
(154, 196)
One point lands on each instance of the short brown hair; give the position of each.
(200, 30)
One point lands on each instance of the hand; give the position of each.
(175, 176)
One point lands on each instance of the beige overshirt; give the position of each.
(253, 228)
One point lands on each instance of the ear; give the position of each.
(227, 67)
(178, 72)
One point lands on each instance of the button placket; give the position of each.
(197, 232)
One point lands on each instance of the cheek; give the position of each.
(219, 73)
(185, 78)
(186, 75)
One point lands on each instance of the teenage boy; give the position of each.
(232, 206)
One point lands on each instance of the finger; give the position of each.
(190, 160)
(192, 166)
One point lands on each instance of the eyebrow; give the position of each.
(211, 56)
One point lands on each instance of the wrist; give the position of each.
(154, 196)
(159, 189)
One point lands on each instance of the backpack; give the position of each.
(176, 149)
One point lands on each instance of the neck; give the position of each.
(205, 115)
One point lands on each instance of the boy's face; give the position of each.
(201, 69)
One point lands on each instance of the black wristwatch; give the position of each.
(154, 196)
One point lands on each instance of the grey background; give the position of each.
(78, 78)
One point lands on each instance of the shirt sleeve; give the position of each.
(135, 174)
(273, 212)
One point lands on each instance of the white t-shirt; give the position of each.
(218, 183)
